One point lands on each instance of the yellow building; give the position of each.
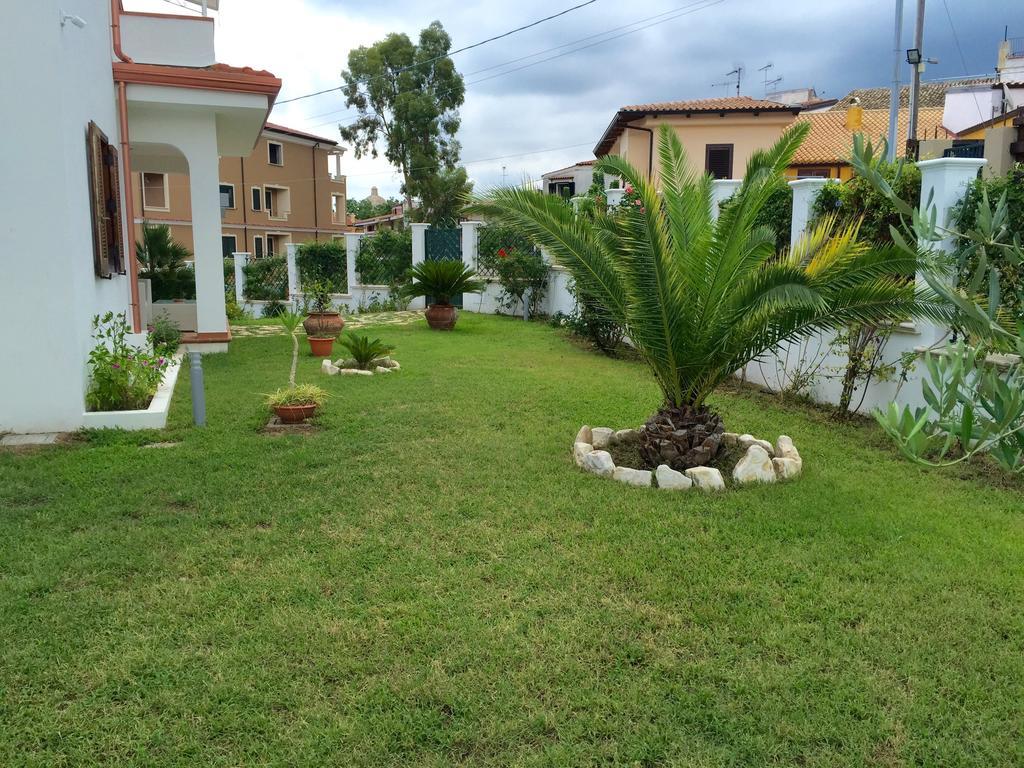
(719, 135)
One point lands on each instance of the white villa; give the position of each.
(95, 93)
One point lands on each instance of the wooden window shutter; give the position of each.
(105, 203)
(718, 160)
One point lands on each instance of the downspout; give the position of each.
(650, 154)
(126, 161)
(245, 212)
(316, 198)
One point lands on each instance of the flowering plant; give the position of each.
(122, 377)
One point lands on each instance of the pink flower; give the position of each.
(115, 366)
(629, 189)
(638, 202)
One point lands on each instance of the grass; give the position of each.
(428, 581)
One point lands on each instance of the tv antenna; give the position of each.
(768, 83)
(739, 76)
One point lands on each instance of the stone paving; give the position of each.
(352, 322)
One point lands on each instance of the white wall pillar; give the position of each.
(614, 195)
(351, 254)
(419, 255)
(470, 242)
(200, 149)
(241, 259)
(293, 271)
(722, 190)
(805, 192)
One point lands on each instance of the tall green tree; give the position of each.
(701, 297)
(443, 197)
(407, 96)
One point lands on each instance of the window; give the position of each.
(227, 195)
(275, 153)
(257, 247)
(718, 160)
(154, 191)
(276, 243)
(277, 202)
(228, 245)
(105, 203)
(564, 189)
(813, 173)
(338, 209)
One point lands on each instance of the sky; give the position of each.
(540, 99)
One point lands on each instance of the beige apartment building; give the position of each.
(284, 192)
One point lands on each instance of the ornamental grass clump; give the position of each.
(700, 297)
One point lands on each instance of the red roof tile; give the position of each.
(727, 104)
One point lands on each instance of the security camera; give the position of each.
(78, 21)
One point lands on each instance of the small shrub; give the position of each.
(122, 377)
(274, 309)
(365, 352)
(266, 279)
(235, 312)
(591, 322)
(858, 199)
(505, 253)
(164, 335)
(777, 214)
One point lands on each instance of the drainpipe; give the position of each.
(650, 154)
(316, 199)
(126, 160)
(245, 202)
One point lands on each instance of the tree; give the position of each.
(443, 197)
(701, 297)
(366, 209)
(407, 96)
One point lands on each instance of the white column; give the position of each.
(293, 271)
(419, 255)
(470, 240)
(944, 181)
(204, 171)
(351, 254)
(241, 259)
(805, 192)
(722, 190)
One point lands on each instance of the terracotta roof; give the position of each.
(584, 163)
(218, 77)
(830, 141)
(300, 134)
(729, 104)
(932, 94)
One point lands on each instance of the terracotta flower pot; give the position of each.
(323, 324)
(441, 317)
(320, 346)
(295, 414)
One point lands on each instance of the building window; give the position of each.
(277, 202)
(276, 244)
(718, 160)
(257, 199)
(257, 246)
(154, 191)
(228, 245)
(227, 195)
(275, 153)
(814, 173)
(564, 189)
(105, 203)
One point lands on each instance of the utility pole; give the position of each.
(915, 57)
(894, 94)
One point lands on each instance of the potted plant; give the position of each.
(322, 323)
(440, 280)
(295, 403)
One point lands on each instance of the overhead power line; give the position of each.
(449, 54)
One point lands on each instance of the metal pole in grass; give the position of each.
(198, 390)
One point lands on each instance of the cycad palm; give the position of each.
(700, 297)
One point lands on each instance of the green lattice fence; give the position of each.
(266, 279)
(384, 258)
(229, 277)
(495, 243)
(444, 245)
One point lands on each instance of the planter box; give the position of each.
(153, 417)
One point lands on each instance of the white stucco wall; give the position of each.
(62, 81)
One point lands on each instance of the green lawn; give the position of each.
(428, 581)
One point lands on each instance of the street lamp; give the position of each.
(914, 56)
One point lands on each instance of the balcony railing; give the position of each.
(180, 41)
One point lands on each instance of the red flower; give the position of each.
(502, 253)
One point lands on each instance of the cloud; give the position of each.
(568, 101)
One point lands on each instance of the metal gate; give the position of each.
(444, 245)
